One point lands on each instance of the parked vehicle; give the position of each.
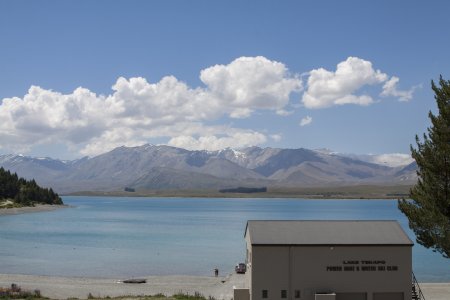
(240, 268)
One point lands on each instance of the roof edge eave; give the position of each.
(334, 245)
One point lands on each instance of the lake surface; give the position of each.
(123, 237)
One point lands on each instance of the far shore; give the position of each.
(30, 209)
(56, 287)
(339, 192)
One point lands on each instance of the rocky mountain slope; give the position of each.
(165, 167)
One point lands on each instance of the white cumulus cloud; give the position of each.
(327, 88)
(284, 113)
(306, 121)
(276, 137)
(390, 89)
(44, 115)
(250, 83)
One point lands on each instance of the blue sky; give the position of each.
(82, 77)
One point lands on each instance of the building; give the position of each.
(343, 260)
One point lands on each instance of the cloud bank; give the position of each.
(138, 111)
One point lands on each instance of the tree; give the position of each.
(428, 210)
(25, 192)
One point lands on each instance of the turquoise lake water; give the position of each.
(124, 237)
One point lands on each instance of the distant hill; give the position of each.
(164, 167)
(23, 192)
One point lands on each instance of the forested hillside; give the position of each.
(25, 192)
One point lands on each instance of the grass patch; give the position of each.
(178, 296)
(16, 292)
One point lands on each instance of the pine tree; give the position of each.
(428, 210)
(25, 192)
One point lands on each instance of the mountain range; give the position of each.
(155, 167)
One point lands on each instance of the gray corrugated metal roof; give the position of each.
(327, 233)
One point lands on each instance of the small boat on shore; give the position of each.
(135, 280)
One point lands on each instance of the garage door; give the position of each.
(387, 296)
(351, 296)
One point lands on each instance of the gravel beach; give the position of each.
(30, 209)
(218, 287)
(73, 287)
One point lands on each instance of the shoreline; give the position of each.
(30, 209)
(58, 287)
(231, 196)
(322, 192)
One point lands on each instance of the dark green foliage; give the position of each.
(25, 192)
(429, 210)
(246, 190)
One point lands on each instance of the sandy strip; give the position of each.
(435, 291)
(220, 287)
(73, 287)
(30, 209)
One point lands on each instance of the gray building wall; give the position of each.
(383, 270)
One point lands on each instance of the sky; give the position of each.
(80, 78)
